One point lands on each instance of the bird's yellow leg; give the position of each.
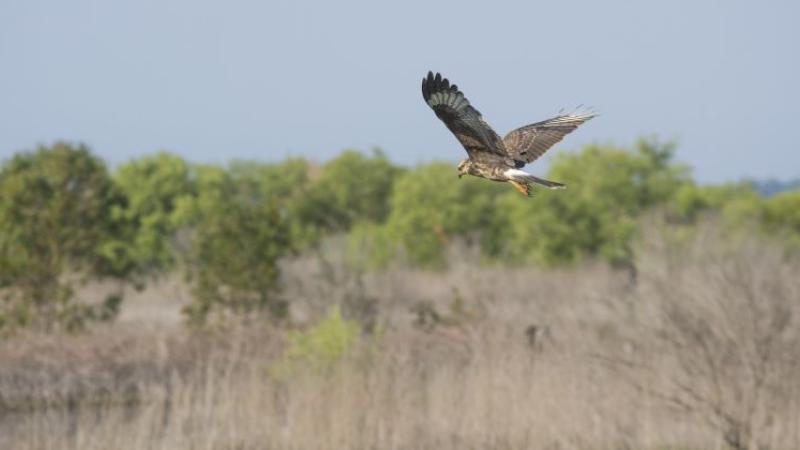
(522, 188)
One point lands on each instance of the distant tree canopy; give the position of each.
(64, 220)
(736, 204)
(607, 189)
(430, 207)
(233, 262)
(60, 225)
(350, 189)
(154, 186)
(781, 215)
(237, 230)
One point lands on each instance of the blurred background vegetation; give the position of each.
(66, 219)
(353, 303)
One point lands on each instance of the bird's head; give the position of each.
(463, 167)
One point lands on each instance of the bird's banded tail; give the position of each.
(524, 177)
(547, 183)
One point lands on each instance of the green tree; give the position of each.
(154, 186)
(234, 249)
(351, 188)
(430, 207)
(280, 182)
(212, 184)
(59, 227)
(288, 185)
(736, 203)
(781, 215)
(608, 187)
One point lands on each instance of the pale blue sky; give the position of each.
(215, 81)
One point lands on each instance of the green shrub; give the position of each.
(430, 207)
(735, 203)
(781, 216)
(320, 347)
(596, 216)
(155, 186)
(233, 261)
(351, 188)
(288, 186)
(60, 227)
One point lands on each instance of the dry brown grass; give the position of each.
(701, 353)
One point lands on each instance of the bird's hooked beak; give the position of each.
(460, 175)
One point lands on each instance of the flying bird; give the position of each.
(489, 156)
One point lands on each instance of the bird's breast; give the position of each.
(489, 172)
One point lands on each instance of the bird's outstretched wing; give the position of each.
(531, 141)
(464, 121)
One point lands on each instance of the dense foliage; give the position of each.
(65, 220)
(608, 188)
(154, 186)
(60, 225)
(238, 235)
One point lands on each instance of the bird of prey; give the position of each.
(489, 156)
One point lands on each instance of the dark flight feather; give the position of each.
(464, 121)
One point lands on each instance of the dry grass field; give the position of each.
(702, 351)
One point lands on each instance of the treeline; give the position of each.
(66, 219)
